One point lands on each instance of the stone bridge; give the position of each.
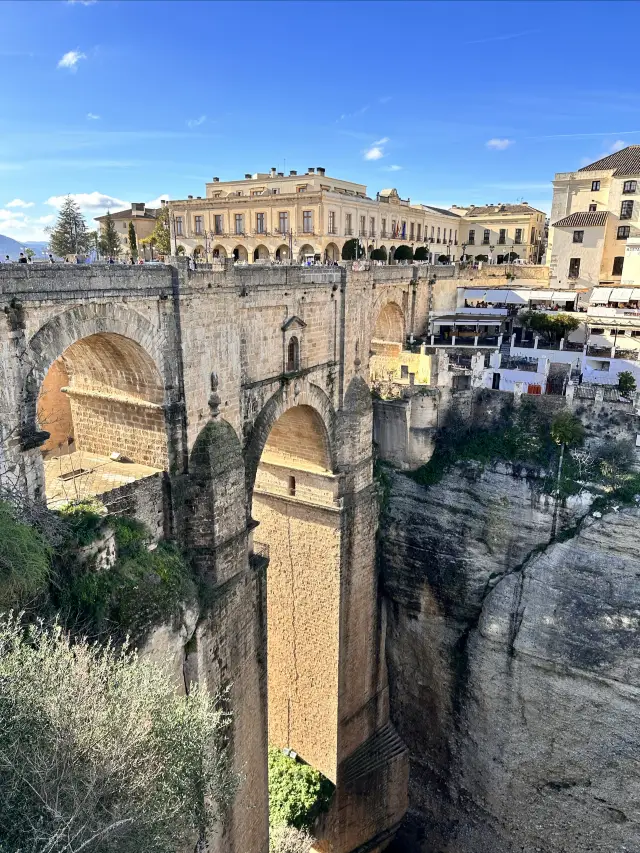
(231, 408)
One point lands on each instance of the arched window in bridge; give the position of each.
(293, 355)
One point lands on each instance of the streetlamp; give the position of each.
(491, 248)
(464, 252)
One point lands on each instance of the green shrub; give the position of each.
(352, 250)
(421, 254)
(379, 254)
(24, 560)
(626, 382)
(403, 253)
(142, 589)
(297, 792)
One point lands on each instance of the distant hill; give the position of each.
(10, 247)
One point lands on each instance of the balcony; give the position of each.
(372, 233)
(348, 232)
(485, 242)
(383, 235)
(605, 311)
(363, 232)
(502, 241)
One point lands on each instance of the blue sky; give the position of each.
(451, 102)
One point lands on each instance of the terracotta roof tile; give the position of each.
(583, 220)
(624, 162)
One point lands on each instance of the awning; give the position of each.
(600, 295)
(635, 293)
(620, 294)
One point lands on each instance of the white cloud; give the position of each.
(376, 151)
(155, 202)
(70, 60)
(21, 227)
(196, 122)
(81, 2)
(393, 168)
(92, 116)
(618, 145)
(89, 202)
(499, 144)
(17, 202)
(373, 153)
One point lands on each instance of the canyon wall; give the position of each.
(513, 665)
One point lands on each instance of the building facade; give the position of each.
(307, 217)
(502, 231)
(144, 221)
(595, 211)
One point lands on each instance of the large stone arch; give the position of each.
(296, 393)
(389, 317)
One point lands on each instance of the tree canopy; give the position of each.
(352, 250)
(109, 243)
(626, 382)
(550, 326)
(379, 254)
(99, 753)
(69, 236)
(133, 241)
(160, 238)
(421, 254)
(403, 253)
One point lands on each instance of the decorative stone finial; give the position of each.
(356, 362)
(214, 397)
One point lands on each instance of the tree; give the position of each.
(421, 254)
(99, 753)
(379, 254)
(69, 235)
(403, 253)
(566, 430)
(297, 792)
(288, 839)
(352, 250)
(133, 242)
(160, 238)
(29, 252)
(550, 326)
(443, 259)
(626, 383)
(510, 257)
(482, 257)
(109, 244)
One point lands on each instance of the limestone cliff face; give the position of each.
(514, 667)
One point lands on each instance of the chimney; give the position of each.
(320, 170)
(273, 171)
(163, 201)
(216, 180)
(281, 174)
(189, 196)
(247, 176)
(293, 172)
(198, 196)
(310, 170)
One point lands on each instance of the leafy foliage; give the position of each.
(352, 250)
(482, 257)
(133, 241)
(443, 259)
(98, 752)
(403, 253)
(567, 429)
(550, 326)
(379, 254)
(69, 235)
(421, 254)
(288, 839)
(521, 435)
(24, 559)
(626, 382)
(109, 243)
(160, 237)
(297, 792)
(143, 588)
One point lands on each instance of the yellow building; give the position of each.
(144, 221)
(502, 231)
(595, 210)
(268, 216)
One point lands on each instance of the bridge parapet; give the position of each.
(61, 281)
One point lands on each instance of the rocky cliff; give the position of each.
(513, 664)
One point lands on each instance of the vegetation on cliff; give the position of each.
(59, 576)
(298, 793)
(550, 447)
(99, 753)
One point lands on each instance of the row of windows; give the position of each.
(502, 236)
(628, 186)
(218, 223)
(398, 228)
(622, 234)
(574, 266)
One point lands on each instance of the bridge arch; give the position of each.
(96, 385)
(294, 503)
